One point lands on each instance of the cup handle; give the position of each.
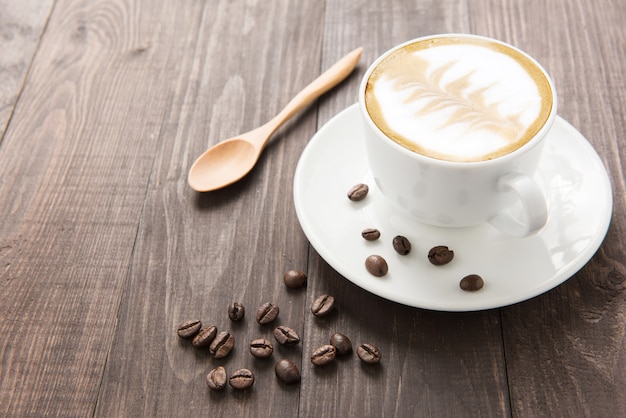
(533, 202)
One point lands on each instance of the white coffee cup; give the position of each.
(448, 161)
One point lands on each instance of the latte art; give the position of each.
(458, 99)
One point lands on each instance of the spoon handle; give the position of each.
(326, 81)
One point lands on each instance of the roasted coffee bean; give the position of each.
(222, 344)
(323, 305)
(241, 379)
(440, 255)
(294, 279)
(376, 265)
(402, 245)
(287, 371)
(370, 234)
(236, 311)
(261, 348)
(342, 344)
(205, 337)
(216, 379)
(286, 336)
(323, 355)
(358, 192)
(267, 313)
(368, 353)
(188, 329)
(472, 282)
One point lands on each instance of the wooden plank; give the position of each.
(21, 25)
(565, 350)
(196, 253)
(434, 364)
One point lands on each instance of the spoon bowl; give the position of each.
(230, 160)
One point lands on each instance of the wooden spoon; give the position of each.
(230, 160)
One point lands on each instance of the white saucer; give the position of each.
(514, 269)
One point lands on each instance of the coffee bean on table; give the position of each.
(286, 336)
(236, 311)
(323, 355)
(267, 313)
(376, 265)
(402, 245)
(368, 353)
(216, 379)
(323, 305)
(440, 255)
(287, 372)
(222, 344)
(241, 379)
(358, 192)
(188, 329)
(342, 344)
(294, 279)
(205, 337)
(370, 234)
(472, 283)
(261, 348)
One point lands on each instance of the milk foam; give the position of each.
(457, 101)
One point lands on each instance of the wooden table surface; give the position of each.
(104, 248)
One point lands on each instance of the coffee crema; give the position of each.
(458, 98)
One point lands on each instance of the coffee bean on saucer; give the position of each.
(323, 305)
(342, 344)
(294, 279)
(369, 353)
(216, 379)
(222, 344)
(286, 336)
(287, 372)
(402, 245)
(261, 348)
(241, 379)
(267, 313)
(370, 234)
(188, 329)
(440, 255)
(205, 337)
(358, 192)
(236, 311)
(472, 283)
(323, 355)
(376, 265)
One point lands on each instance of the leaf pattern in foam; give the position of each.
(469, 106)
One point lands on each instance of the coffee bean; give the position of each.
(236, 311)
(222, 344)
(472, 282)
(287, 371)
(323, 355)
(440, 255)
(267, 313)
(261, 348)
(323, 305)
(205, 337)
(188, 329)
(370, 234)
(368, 353)
(216, 379)
(358, 192)
(376, 265)
(402, 245)
(286, 336)
(241, 379)
(342, 344)
(294, 279)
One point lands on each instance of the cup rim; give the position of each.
(380, 135)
